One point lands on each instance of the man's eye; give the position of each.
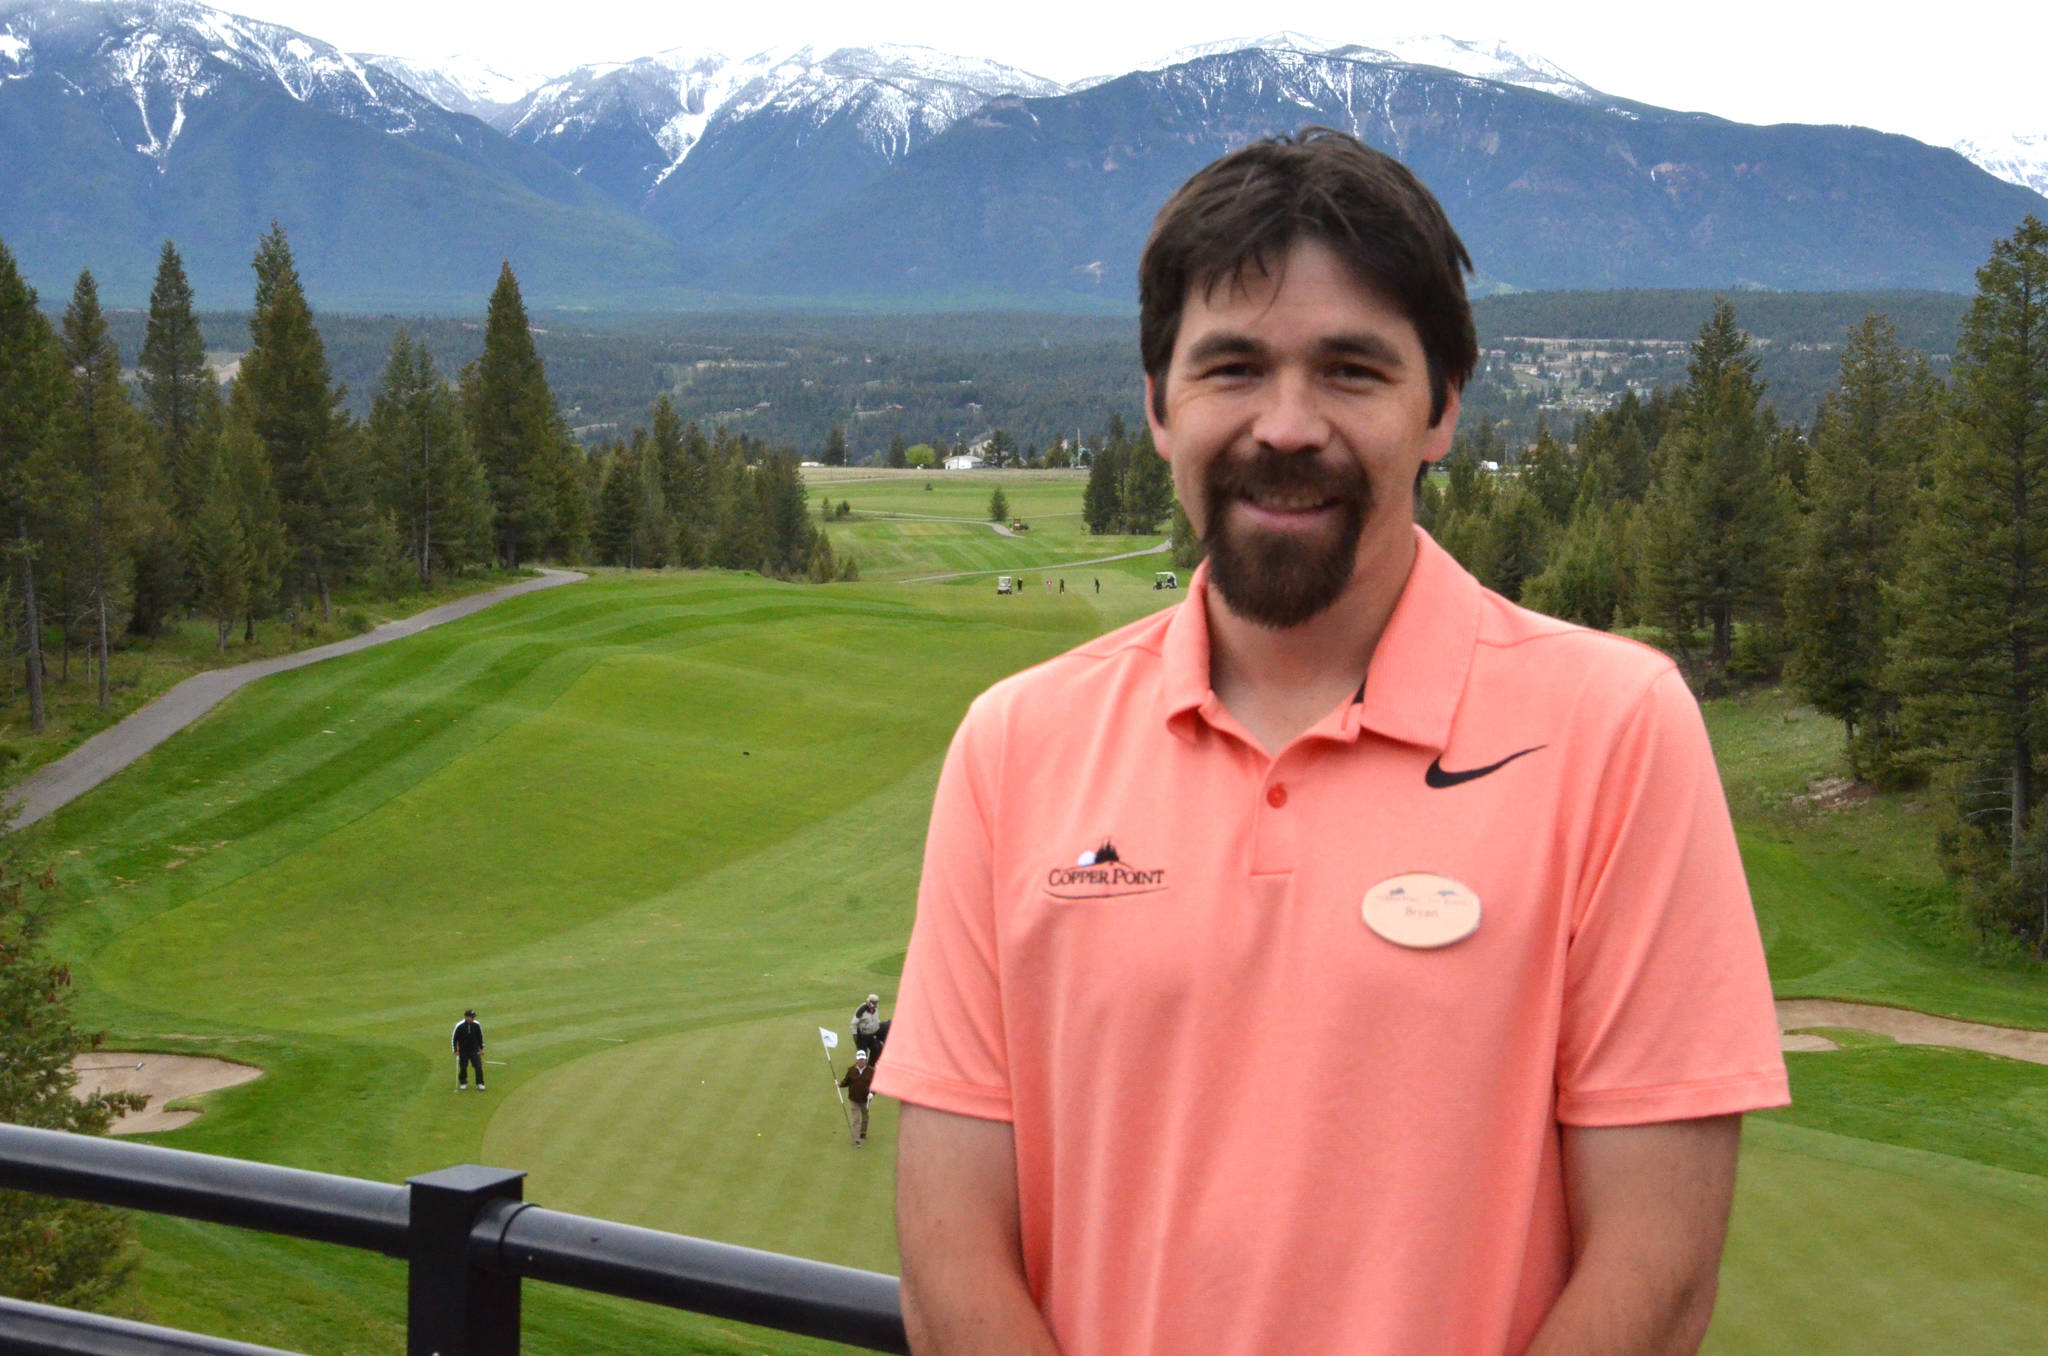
(1355, 372)
(1230, 369)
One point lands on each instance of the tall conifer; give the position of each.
(515, 427)
(1972, 656)
(30, 391)
(284, 392)
(99, 445)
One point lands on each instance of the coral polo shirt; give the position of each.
(1123, 891)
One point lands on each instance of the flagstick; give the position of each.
(845, 1114)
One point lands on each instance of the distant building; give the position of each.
(970, 462)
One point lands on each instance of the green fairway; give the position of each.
(659, 828)
(918, 524)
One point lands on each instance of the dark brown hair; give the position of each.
(1245, 211)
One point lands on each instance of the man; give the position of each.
(867, 1027)
(468, 1044)
(858, 1080)
(1462, 878)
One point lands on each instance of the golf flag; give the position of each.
(830, 1037)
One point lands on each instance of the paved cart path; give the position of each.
(58, 784)
(1906, 1027)
(1039, 569)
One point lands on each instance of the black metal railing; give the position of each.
(468, 1239)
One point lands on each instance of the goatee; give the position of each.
(1282, 579)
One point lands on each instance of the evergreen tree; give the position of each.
(653, 531)
(1145, 495)
(515, 427)
(284, 394)
(178, 391)
(1001, 449)
(31, 368)
(612, 530)
(100, 452)
(427, 475)
(1873, 432)
(835, 447)
(999, 506)
(222, 566)
(60, 1252)
(1972, 656)
(1517, 540)
(247, 465)
(1714, 518)
(1586, 576)
(899, 453)
(1102, 498)
(1550, 472)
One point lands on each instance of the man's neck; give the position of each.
(1279, 683)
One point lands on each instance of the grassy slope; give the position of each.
(143, 670)
(685, 816)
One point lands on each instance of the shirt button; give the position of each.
(1276, 795)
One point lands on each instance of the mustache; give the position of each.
(1288, 473)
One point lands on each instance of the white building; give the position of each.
(970, 462)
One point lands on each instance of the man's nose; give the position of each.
(1292, 417)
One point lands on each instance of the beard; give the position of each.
(1282, 579)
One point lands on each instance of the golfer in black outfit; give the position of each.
(468, 1043)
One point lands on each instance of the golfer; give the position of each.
(857, 1079)
(1456, 881)
(468, 1044)
(867, 1027)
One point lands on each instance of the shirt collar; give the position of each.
(1418, 670)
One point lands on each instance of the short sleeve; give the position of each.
(946, 1042)
(1667, 1005)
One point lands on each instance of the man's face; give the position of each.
(1297, 413)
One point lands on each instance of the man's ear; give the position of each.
(1439, 443)
(1152, 419)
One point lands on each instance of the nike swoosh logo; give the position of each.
(1438, 778)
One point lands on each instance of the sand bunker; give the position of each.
(1906, 1027)
(161, 1078)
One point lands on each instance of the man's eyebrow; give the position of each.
(1223, 344)
(1369, 346)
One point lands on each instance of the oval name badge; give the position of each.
(1422, 911)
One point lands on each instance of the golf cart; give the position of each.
(1019, 525)
(1003, 584)
(1166, 579)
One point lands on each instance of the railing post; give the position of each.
(453, 1307)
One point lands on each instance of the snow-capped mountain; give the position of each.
(1481, 60)
(630, 127)
(149, 63)
(2017, 159)
(126, 121)
(459, 84)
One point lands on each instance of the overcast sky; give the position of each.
(1966, 68)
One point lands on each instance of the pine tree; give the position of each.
(284, 393)
(246, 464)
(65, 1253)
(653, 530)
(1714, 518)
(612, 530)
(427, 474)
(999, 506)
(100, 451)
(835, 447)
(221, 565)
(178, 391)
(1872, 435)
(1971, 660)
(1517, 542)
(31, 368)
(1586, 576)
(1102, 498)
(899, 452)
(1146, 493)
(1550, 472)
(516, 428)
